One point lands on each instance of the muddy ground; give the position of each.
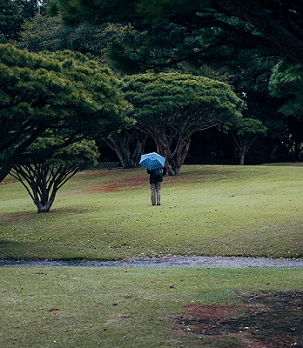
(263, 320)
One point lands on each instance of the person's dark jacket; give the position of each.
(156, 175)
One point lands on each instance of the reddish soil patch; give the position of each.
(16, 217)
(118, 184)
(4, 182)
(265, 320)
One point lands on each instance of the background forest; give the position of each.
(198, 81)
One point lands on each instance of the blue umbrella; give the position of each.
(152, 161)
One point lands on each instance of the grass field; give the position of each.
(123, 308)
(207, 210)
(100, 214)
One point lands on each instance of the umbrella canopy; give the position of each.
(152, 161)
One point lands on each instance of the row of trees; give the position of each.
(200, 65)
(218, 52)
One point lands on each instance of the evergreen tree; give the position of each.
(286, 84)
(246, 132)
(171, 107)
(61, 90)
(13, 13)
(276, 25)
(43, 172)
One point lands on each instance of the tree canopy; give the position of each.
(13, 13)
(171, 107)
(276, 25)
(57, 91)
(286, 82)
(49, 33)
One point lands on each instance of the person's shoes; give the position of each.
(158, 204)
(153, 204)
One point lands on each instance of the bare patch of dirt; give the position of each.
(16, 217)
(5, 182)
(122, 184)
(264, 320)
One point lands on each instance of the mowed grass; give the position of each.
(72, 307)
(207, 210)
(100, 214)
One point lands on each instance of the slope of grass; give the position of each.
(102, 214)
(89, 307)
(207, 210)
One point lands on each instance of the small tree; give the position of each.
(247, 131)
(43, 173)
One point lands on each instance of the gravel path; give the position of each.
(173, 261)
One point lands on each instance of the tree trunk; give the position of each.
(128, 146)
(174, 159)
(242, 156)
(42, 181)
(43, 208)
(45, 197)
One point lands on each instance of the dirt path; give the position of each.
(173, 261)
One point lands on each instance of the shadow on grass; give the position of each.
(26, 251)
(13, 250)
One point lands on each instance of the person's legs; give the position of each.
(158, 192)
(153, 193)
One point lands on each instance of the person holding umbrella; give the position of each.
(154, 163)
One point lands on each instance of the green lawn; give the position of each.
(207, 210)
(100, 214)
(74, 307)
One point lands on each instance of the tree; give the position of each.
(246, 132)
(276, 25)
(13, 13)
(139, 48)
(44, 174)
(49, 33)
(128, 144)
(286, 84)
(251, 79)
(57, 91)
(171, 107)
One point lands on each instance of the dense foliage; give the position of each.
(58, 91)
(12, 16)
(171, 107)
(276, 25)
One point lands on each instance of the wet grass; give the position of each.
(207, 210)
(109, 307)
(100, 214)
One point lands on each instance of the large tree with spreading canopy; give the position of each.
(54, 91)
(171, 107)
